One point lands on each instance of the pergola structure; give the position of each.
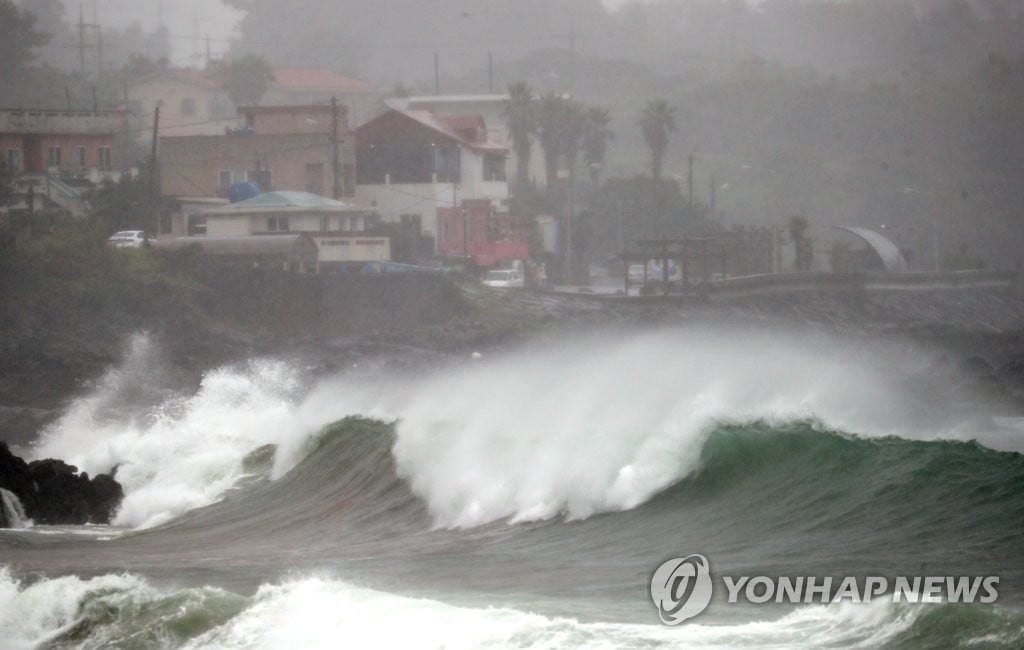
(705, 248)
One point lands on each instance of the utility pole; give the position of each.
(153, 175)
(689, 181)
(572, 54)
(83, 45)
(81, 41)
(714, 214)
(490, 73)
(335, 165)
(568, 226)
(437, 75)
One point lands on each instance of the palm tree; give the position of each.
(574, 129)
(657, 121)
(521, 117)
(596, 136)
(551, 132)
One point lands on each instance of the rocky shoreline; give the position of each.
(52, 492)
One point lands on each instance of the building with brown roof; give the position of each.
(294, 86)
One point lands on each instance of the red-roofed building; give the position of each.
(294, 86)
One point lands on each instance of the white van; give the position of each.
(504, 278)
(127, 238)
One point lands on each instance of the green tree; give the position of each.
(520, 115)
(550, 123)
(245, 79)
(18, 43)
(627, 209)
(596, 135)
(124, 205)
(7, 195)
(657, 122)
(574, 129)
(561, 127)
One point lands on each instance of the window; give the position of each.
(277, 224)
(447, 164)
(14, 161)
(188, 106)
(494, 167)
(80, 156)
(54, 158)
(104, 156)
(315, 178)
(412, 223)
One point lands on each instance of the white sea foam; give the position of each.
(13, 511)
(187, 451)
(318, 612)
(604, 424)
(595, 424)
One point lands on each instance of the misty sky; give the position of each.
(180, 16)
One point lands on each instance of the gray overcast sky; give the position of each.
(181, 17)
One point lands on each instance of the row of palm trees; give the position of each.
(565, 128)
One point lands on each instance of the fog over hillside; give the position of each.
(889, 113)
(898, 113)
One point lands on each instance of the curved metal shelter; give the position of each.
(887, 251)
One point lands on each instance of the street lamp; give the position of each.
(935, 227)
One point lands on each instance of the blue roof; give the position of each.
(289, 200)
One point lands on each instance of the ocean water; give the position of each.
(525, 499)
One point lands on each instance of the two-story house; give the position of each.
(57, 156)
(287, 148)
(493, 109)
(413, 163)
(190, 104)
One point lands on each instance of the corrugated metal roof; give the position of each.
(887, 251)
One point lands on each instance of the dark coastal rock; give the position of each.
(53, 492)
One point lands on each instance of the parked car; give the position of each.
(504, 278)
(127, 238)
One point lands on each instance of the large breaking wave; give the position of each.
(596, 424)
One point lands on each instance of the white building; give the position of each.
(411, 162)
(342, 232)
